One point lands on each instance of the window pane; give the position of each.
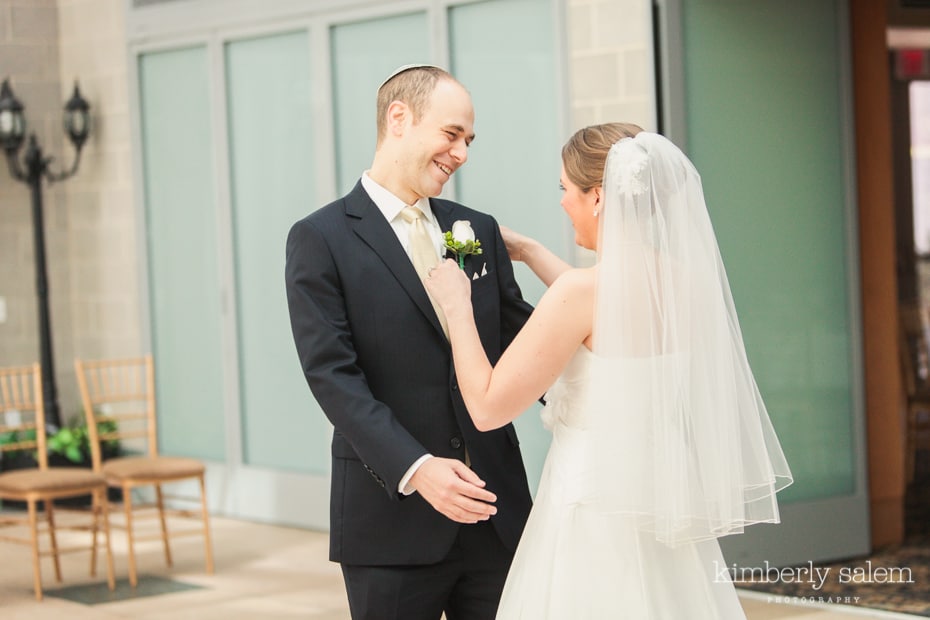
(772, 166)
(504, 54)
(272, 181)
(181, 225)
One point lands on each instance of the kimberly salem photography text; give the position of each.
(815, 576)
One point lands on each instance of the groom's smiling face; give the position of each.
(436, 145)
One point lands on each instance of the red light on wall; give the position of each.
(911, 64)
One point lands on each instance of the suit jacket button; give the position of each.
(456, 443)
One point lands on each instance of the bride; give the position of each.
(661, 442)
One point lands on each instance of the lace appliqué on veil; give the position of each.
(631, 161)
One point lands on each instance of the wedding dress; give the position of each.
(578, 561)
(661, 442)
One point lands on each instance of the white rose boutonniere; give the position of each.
(461, 241)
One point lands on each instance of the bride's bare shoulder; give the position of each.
(575, 285)
(578, 280)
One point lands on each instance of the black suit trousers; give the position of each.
(466, 584)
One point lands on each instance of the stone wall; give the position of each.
(29, 58)
(610, 71)
(610, 62)
(104, 266)
(90, 226)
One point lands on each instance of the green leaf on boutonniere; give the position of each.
(464, 245)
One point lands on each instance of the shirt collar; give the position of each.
(389, 204)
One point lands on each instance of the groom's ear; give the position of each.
(397, 114)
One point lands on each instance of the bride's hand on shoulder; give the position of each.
(449, 286)
(544, 263)
(516, 244)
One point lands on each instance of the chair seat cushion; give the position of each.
(51, 480)
(151, 467)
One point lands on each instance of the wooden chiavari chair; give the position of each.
(122, 392)
(22, 421)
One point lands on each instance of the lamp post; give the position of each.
(30, 171)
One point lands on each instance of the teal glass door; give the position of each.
(272, 185)
(764, 103)
(506, 46)
(181, 222)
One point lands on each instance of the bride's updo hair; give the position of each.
(585, 153)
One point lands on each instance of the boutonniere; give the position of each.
(461, 241)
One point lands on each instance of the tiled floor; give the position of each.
(261, 572)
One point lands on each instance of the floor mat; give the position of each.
(96, 593)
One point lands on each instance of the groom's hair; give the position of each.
(412, 86)
(585, 154)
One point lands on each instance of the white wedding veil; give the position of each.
(683, 441)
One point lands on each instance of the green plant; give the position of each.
(73, 441)
(11, 437)
(20, 456)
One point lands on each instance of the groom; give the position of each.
(425, 510)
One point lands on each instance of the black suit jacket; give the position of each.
(376, 360)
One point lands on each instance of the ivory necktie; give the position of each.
(422, 253)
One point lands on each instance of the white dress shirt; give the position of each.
(391, 206)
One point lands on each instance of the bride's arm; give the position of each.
(544, 263)
(560, 323)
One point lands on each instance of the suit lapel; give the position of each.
(369, 224)
(444, 216)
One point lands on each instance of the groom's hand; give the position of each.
(454, 490)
